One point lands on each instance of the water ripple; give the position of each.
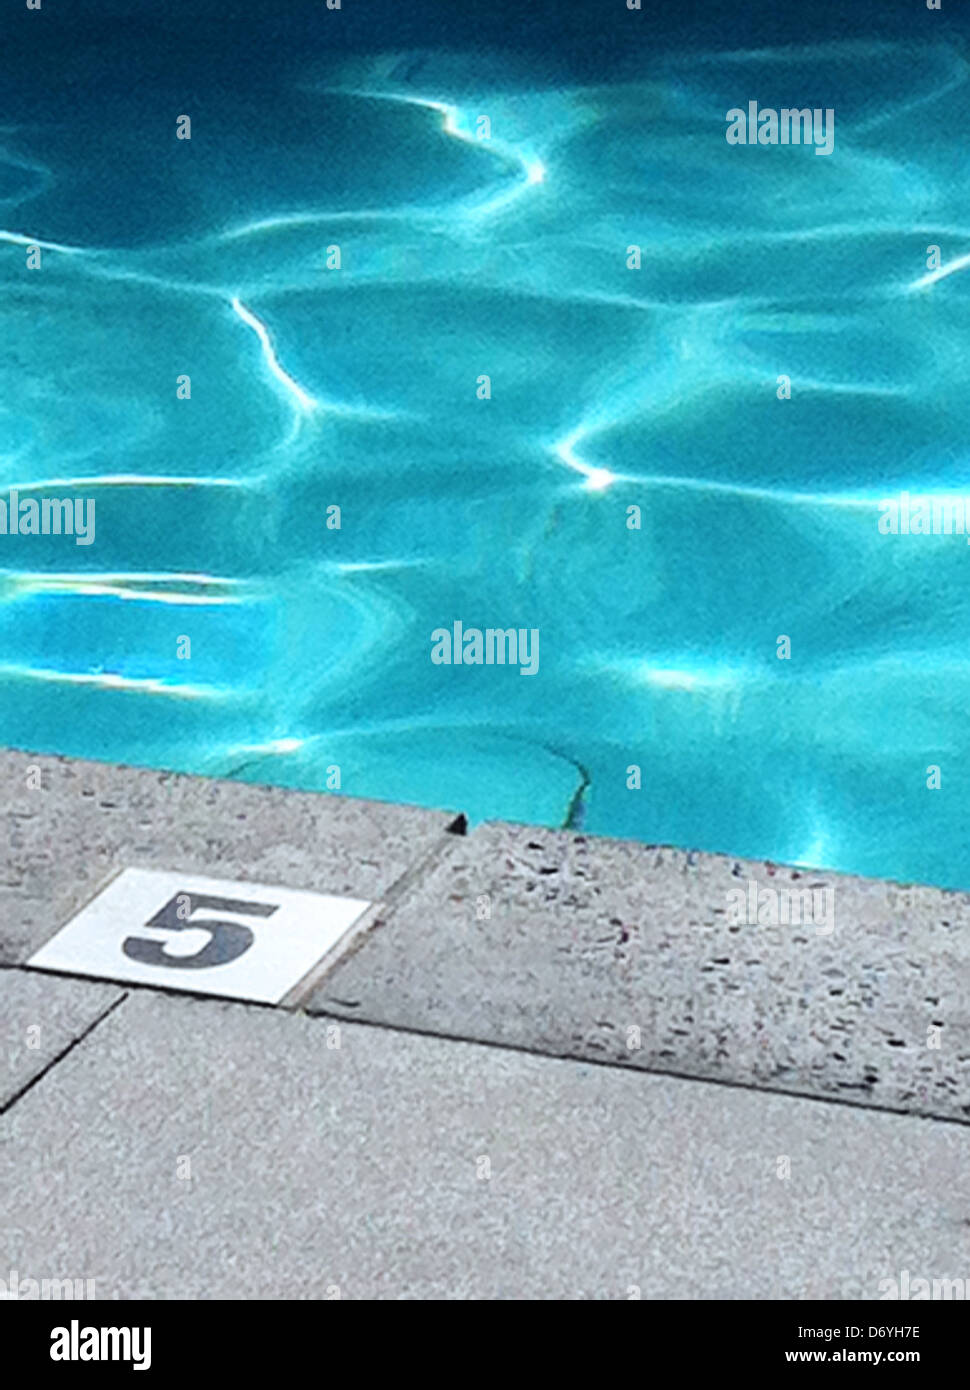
(633, 291)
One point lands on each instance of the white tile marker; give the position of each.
(204, 935)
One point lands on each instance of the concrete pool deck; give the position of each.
(505, 1081)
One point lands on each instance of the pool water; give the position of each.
(222, 622)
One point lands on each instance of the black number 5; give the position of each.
(227, 940)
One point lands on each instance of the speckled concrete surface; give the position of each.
(255, 1158)
(40, 1017)
(68, 837)
(542, 940)
(626, 953)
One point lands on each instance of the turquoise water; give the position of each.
(314, 387)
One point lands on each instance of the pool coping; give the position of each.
(543, 974)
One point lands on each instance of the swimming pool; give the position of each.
(347, 368)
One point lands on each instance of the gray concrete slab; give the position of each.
(40, 1018)
(630, 954)
(72, 825)
(200, 1149)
